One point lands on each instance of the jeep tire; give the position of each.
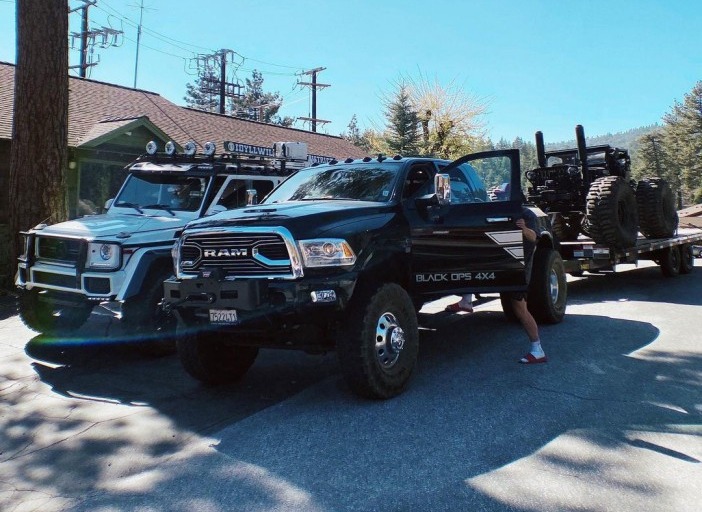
(658, 217)
(378, 347)
(207, 358)
(612, 213)
(39, 312)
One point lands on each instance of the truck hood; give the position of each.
(108, 226)
(309, 216)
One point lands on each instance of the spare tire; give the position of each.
(612, 213)
(656, 204)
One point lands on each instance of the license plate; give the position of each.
(223, 316)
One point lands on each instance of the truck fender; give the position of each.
(140, 273)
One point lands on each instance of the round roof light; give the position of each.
(170, 148)
(151, 147)
(189, 148)
(210, 148)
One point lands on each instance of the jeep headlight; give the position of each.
(326, 252)
(103, 256)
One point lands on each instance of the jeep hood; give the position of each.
(107, 226)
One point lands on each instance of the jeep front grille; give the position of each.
(64, 251)
(241, 253)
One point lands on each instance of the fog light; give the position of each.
(323, 296)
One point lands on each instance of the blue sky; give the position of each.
(537, 64)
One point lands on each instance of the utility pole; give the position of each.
(313, 85)
(89, 38)
(136, 60)
(206, 68)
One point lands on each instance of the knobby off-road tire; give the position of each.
(207, 358)
(658, 217)
(670, 261)
(146, 321)
(612, 213)
(378, 347)
(566, 228)
(38, 312)
(687, 259)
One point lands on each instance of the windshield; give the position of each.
(160, 191)
(360, 182)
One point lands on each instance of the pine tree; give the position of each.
(683, 140)
(257, 105)
(402, 123)
(202, 94)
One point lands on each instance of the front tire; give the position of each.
(39, 312)
(548, 289)
(146, 320)
(208, 359)
(378, 349)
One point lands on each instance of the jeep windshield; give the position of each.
(360, 182)
(162, 192)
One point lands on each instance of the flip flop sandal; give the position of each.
(457, 308)
(531, 359)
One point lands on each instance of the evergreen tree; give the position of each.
(652, 159)
(683, 139)
(257, 105)
(353, 135)
(202, 94)
(402, 123)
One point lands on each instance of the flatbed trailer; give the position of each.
(674, 254)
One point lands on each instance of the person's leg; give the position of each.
(465, 304)
(519, 306)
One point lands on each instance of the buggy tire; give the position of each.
(669, 260)
(378, 347)
(548, 289)
(687, 259)
(207, 358)
(565, 228)
(37, 311)
(612, 213)
(658, 217)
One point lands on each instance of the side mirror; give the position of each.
(108, 203)
(217, 208)
(442, 189)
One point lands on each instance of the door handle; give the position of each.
(492, 220)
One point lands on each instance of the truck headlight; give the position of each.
(326, 252)
(103, 256)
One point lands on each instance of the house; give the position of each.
(109, 126)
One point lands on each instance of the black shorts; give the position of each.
(518, 296)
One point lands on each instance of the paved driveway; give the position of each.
(612, 422)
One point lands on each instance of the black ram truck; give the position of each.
(341, 256)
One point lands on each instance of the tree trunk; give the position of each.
(37, 184)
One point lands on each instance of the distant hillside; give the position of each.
(625, 140)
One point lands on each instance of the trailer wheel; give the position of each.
(612, 213)
(687, 259)
(566, 228)
(208, 359)
(548, 289)
(669, 259)
(378, 348)
(656, 203)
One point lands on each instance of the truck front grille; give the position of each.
(237, 254)
(64, 251)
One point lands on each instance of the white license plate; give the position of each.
(223, 316)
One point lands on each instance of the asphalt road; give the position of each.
(612, 423)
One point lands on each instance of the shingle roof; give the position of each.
(92, 102)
